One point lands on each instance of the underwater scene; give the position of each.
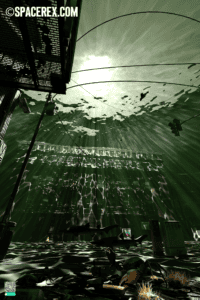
(108, 202)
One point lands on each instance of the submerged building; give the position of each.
(96, 185)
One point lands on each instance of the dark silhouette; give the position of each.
(85, 229)
(119, 241)
(142, 95)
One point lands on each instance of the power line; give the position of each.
(108, 105)
(141, 12)
(114, 81)
(130, 66)
(114, 107)
(170, 83)
(83, 88)
(190, 119)
(94, 96)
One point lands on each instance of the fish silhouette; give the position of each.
(142, 95)
(118, 241)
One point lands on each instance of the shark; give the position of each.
(86, 229)
(119, 241)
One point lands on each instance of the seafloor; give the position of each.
(79, 270)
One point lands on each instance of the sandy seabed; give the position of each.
(79, 270)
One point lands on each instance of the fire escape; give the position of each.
(36, 53)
